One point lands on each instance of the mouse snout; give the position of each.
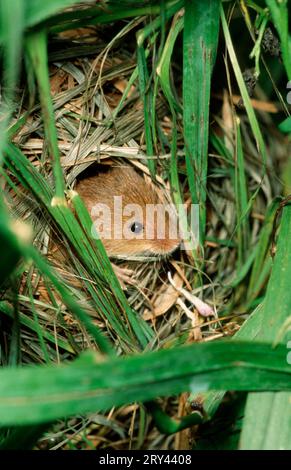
(163, 222)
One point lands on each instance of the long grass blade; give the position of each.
(36, 44)
(11, 31)
(84, 386)
(270, 411)
(201, 26)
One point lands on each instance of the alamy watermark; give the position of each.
(150, 222)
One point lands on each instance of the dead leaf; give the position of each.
(165, 299)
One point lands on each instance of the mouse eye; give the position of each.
(136, 227)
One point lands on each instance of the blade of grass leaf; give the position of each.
(146, 93)
(271, 411)
(51, 392)
(262, 247)
(29, 252)
(43, 266)
(14, 349)
(241, 200)
(164, 65)
(36, 45)
(250, 330)
(11, 31)
(285, 126)
(37, 326)
(98, 16)
(10, 247)
(279, 12)
(244, 93)
(37, 11)
(163, 71)
(7, 310)
(201, 26)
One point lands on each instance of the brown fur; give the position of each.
(126, 182)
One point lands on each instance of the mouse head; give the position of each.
(130, 215)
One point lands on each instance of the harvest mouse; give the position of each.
(130, 215)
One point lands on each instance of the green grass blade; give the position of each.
(36, 44)
(251, 329)
(37, 10)
(201, 26)
(268, 413)
(97, 15)
(163, 71)
(43, 266)
(141, 36)
(285, 126)
(37, 326)
(164, 65)
(241, 201)
(271, 411)
(279, 11)
(11, 31)
(24, 320)
(87, 385)
(10, 247)
(146, 93)
(262, 249)
(243, 90)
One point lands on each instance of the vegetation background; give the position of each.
(195, 95)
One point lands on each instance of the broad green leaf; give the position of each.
(271, 412)
(93, 383)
